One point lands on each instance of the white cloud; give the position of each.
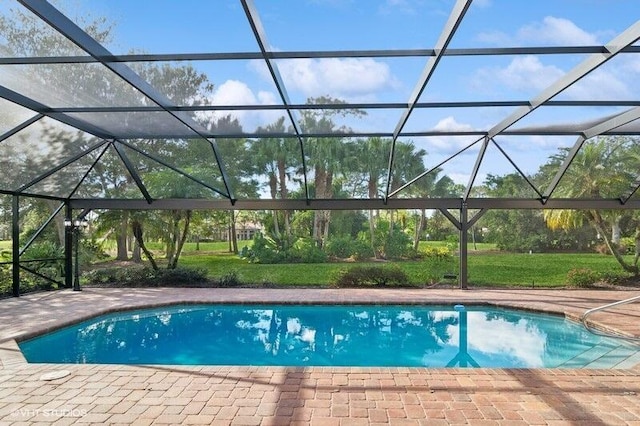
(450, 124)
(524, 74)
(556, 31)
(234, 92)
(599, 85)
(551, 31)
(350, 79)
(521, 341)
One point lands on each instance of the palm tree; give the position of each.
(371, 160)
(599, 170)
(276, 158)
(325, 155)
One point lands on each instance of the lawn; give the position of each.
(486, 268)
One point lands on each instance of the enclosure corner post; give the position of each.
(464, 227)
(15, 247)
(68, 247)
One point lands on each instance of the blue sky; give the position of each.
(171, 26)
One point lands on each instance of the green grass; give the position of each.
(490, 269)
(539, 269)
(470, 246)
(487, 267)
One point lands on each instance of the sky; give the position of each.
(170, 26)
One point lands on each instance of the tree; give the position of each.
(277, 157)
(324, 155)
(599, 170)
(372, 161)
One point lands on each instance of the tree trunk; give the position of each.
(419, 230)
(276, 226)
(372, 232)
(318, 216)
(136, 254)
(616, 232)
(327, 222)
(173, 235)
(599, 225)
(637, 247)
(121, 238)
(137, 233)
(234, 236)
(284, 194)
(183, 239)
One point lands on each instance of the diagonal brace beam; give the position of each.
(61, 166)
(598, 129)
(261, 38)
(20, 127)
(132, 171)
(41, 229)
(82, 39)
(175, 169)
(452, 24)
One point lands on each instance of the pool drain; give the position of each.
(54, 375)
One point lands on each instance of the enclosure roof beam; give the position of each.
(452, 24)
(132, 172)
(61, 166)
(626, 38)
(515, 166)
(171, 167)
(36, 106)
(21, 126)
(77, 35)
(615, 46)
(598, 129)
(476, 133)
(312, 54)
(476, 167)
(434, 168)
(339, 107)
(355, 204)
(261, 37)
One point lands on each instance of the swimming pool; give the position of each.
(332, 335)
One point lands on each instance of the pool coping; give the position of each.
(267, 396)
(193, 296)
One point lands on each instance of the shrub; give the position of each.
(398, 245)
(340, 247)
(582, 277)
(305, 251)
(54, 269)
(147, 277)
(371, 276)
(437, 262)
(178, 277)
(345, 247)
(230, 279)
(614, 277)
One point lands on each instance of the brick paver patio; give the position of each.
(118, 394)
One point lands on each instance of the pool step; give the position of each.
(587, 357)
(614, 358)
(631, 361)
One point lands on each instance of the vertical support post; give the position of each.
(68, 247)
(464, 227)
(76, 245)
(15, 237)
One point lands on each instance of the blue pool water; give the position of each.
(342, 335)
